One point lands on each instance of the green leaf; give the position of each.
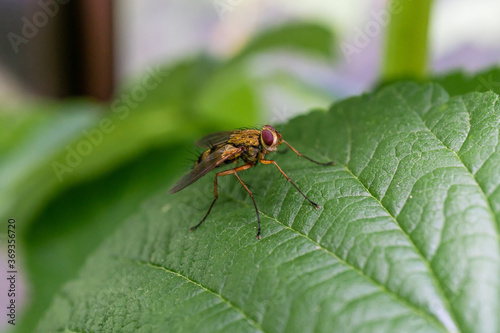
(229, 99)
(30, 140)
(406, 239)
(295, 36)
(407, 43)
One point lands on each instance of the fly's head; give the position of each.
(270, 138)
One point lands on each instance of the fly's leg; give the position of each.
(213, 202)
(229, 172)
(288, 178)
(307, 158)
(253, 199)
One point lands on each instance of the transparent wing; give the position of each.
(214, 139)
(213, 160)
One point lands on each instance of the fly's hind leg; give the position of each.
(224, 173)
(253, 199)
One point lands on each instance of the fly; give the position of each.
(251, 146)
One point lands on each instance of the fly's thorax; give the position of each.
(245, 138)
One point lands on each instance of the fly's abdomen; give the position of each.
(203, 156)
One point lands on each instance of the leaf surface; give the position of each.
(406, 239)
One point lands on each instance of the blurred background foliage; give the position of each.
(63, 216)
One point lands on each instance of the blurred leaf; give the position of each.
(83, 216)
(294, 94)
(229, 100)
(295, 36)
(207, 95)
(407, 43)
(29, 141)
(459, 83)
(406, 241)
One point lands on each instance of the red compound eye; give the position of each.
(267, 137)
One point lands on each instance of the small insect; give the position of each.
(250, 145)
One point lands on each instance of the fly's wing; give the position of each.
(213, 160)
(215, 139)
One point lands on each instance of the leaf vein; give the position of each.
(199, 285)
(483, 193)
(382, 287)
(417, 249)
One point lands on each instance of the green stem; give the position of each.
(406, 44)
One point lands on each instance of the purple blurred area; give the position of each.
(469, 58)
(462, 36)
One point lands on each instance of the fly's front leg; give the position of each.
(307, 158)
(288, 178)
